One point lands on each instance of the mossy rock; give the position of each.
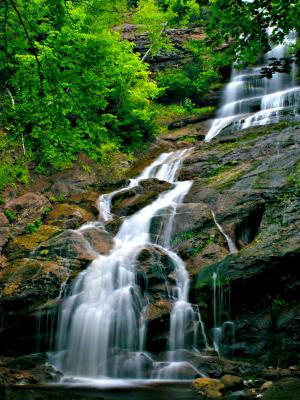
(231, 381)
(22, 246)
(208, 388)
(28, 283)
(285, 389)
(68, 216)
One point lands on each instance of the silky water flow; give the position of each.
(102, 327)
(250, 100)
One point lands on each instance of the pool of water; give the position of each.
(84, 389)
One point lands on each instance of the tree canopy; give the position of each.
(252, 26)
(70, 83)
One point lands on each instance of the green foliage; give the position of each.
(70, 84)
(222, 168)
(10, 215)
(44, 252)
(47, 210)
(183, 236)
(243, 25)
(164, 114)
(57, 199)
(13, 169)
(182, 12)
(33, 226)
(278, 304)
(195, 78)
(150, 18)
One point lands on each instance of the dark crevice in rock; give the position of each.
(247, 228)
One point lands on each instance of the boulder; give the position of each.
(24, 245)
(3, 219)
(177, 370)
(155, 271)
(266, 385)
(25, 283)
(29, 369)
(131, 200)
(67, 216)
(100, 240)
(284, 389)
(26, 209)
(208, 388)
(158, 321)
(231, 381)
(70, 249)
(87, 200)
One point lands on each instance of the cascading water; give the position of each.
(223, 331)
(250, 100)
(231, 246)
(101, 328)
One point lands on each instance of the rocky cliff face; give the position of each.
(250, 180)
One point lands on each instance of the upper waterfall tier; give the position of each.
(250, 100)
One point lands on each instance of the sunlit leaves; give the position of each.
(76, 85)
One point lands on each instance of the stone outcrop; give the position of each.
(133, 199)
(250, 180)
(41, 251)
(208, 388)
(155, 275)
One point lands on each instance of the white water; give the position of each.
(102, 331)
(223, 331)
(163, 168)
(231, 246)
(249, 100)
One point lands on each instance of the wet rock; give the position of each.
(208, 388)
(154, 271)
(158, 321)
(114, 225)
(190, 120)
(72, 181)
(231, 381)
(100, 240)
(87, 200)
(3, 219)
(155, 275)
(25, 283)
(23, 245)
(24, 362)
(27, 370)
(4, 233)
(124, 365)
(239, 368)
(177, 370)
(133, 199)
(26, 209)
(69, 245)
(67, 216)
(287, 388)
(266, 385)
(209, 365)
(274, 374)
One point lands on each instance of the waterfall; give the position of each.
(231, 246)
(250, 100)
(223, 332)
(101, 327)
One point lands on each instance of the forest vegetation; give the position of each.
(71, 84)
